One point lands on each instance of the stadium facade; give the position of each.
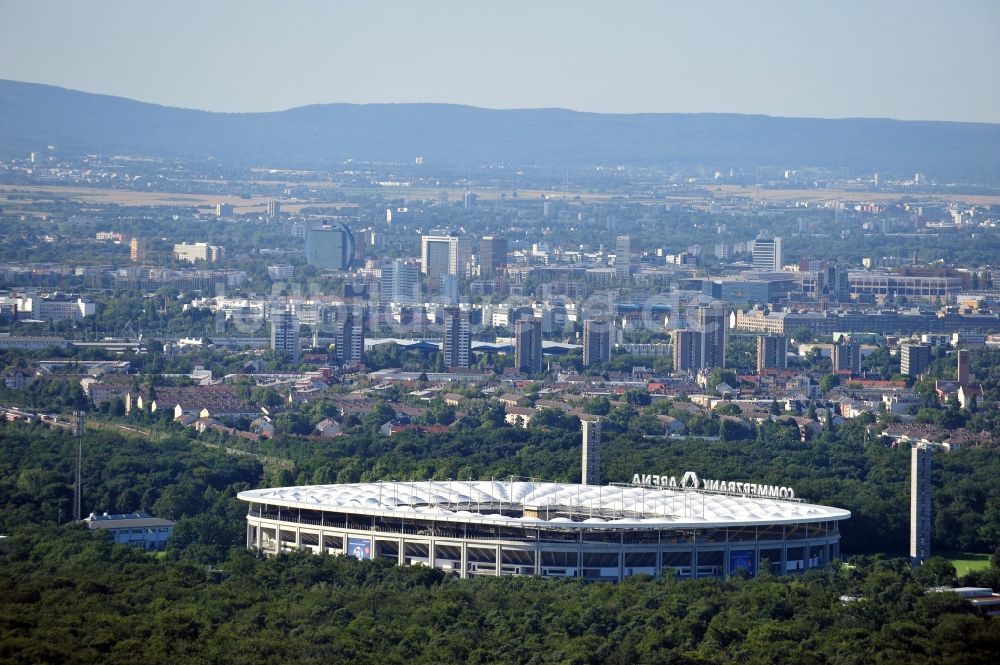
(548, 529)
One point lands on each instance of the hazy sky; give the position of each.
(935, 60)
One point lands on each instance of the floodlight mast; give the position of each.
(78, 427)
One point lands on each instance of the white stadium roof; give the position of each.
(589, 506)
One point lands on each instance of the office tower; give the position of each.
(687, 350)
(456, 346)
(273, 209)
(847, 357)
(623, 257)
(528, 346)
(914, 358)
(444, 255)
(591, 462)
(448, 289)
(224, 210)
(400, 282)
(285, 335)
(920, 503)
(772, 352)
(330, 247)
(963, 375)
(596, 342)
(350, 338)
(712, 326)
(469, 200)
(767, 254)
(492, 256)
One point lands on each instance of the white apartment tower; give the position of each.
(285, 335)
(623, 257)
(400, 282)
(767, 255)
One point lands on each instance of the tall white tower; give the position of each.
(591, 462)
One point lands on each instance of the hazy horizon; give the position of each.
(916, 60)
(495, 108)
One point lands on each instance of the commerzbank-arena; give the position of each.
(500, 527)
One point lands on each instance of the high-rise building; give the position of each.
(400, 282)
(838, 285)
(273, 209)
(962, 374)
(492, 256)
(350, 338)
(456, 346)
(712, 326)
(137, 249)
(596, 342)
(772, 352)
(330, 247)
(285, 335)
(591, 462)
(846, 357)
(687, 350)
(920, 503)
(528, 346)
(767, 254)
(914, 358)
(703, 347)
(623, 257)
(448, 289)
(444, 255)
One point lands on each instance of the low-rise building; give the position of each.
(140, 530)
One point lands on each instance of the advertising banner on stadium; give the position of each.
(360, 548)
(741, 559)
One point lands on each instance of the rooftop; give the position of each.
(537, 504)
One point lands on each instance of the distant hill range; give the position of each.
(33, 116)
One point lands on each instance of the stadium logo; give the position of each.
(690, 480)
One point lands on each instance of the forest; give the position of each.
(68, 596)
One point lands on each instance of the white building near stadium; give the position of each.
(548, 529)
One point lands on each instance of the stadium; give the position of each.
(557, 530)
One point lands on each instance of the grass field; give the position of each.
(131, 198)
(259, 203)
(965, 562)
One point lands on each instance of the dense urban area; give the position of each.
(175, 332)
